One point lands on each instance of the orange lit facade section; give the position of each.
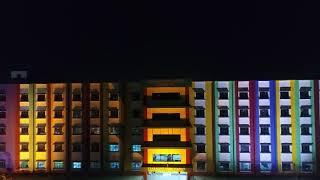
(167, 143)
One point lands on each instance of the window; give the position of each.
(94, 130)
(166, 158)
(200, 113)
(304, 111)
(135, 96)
(224, 130)
(57, 130)
(2, 96)
(306, 166)
(136, 165)
(244, 148)
(166, 96)
(58, 147)
(264, 113)
(95, 95)
(223, 95)
(263, 95)
(305, 148)
(224, 166)
(41, 97)
(265, 166)
(2, 129)
(114, 130)
(224, 147)
(136, 131)
(24, 97)
(2, 112)
(285, 129)
(41, 130)
(76, 96)
(41, 114)
(136, 113)
(284, 95)
(223, 112)
(76, 147)
(24, 147)
(265, 148)
(113, 96)
(95, 147)
(304, 95)
(243, 95)
(41, 164)
(113, 147)
(2, 164)
(24, 114)
(24, 164)
(136, 147)
(305, 129)
(244, 113)
(76, 165)
(41, 147)
(200, 130)
(58, 114)
(94, 113)
(285, 112)
(95, 164)
(244, 130)
(201, 165)
(113, 113)
(245, 166)
(58, 165)
(76, 113)
(286, 166)
(285, 148)
(199, 95)
(76, 130)
(264, 130)
(201, 148)
(2, 147)
(114, 165)
(58, 97)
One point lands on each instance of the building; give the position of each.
(155, 127)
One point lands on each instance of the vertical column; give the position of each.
(273, 126)
(104, 109)
(86, 125)
(32, 143)
(295, 125)
(315, 124)
(48, 161)
(278, 127)
(68, 126)
(236, 107)
(256, 126)
(210, 128)
(232, 127)
(252, 120)
(216, 121)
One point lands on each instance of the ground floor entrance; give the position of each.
(167, 176)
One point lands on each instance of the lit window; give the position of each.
(265, 166)
(113, 147)
(136, 148)
(24, 164)
(136, 165)
(166, 158)
(41, 164)
(95, 164)
(114, 130)
(94, 130)
(58, 165)
(114, 165)
(245, 166)
(76, 165)
(2, 164)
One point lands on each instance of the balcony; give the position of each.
(166, 100)
(166, 123)
(168, 165)
(168, 144)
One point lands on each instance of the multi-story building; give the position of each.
(157, 127)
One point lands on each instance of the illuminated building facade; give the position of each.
(156, 127)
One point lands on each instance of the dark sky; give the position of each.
(116, 39)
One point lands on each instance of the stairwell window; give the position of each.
(200, 130)
(58, 147)
(41, 147)
(113, 96)
(285, 111)
(113, 113)
(224, 166)
(305, 92)
(245, 166)
(307, 166)
(244, 130)
(24, 97)
(3, 112)
(305, 111)
(305, 129)
(223, 111)
(223, 130)
(201, 165)
(265, 148)
(285, 129)
(265, 166)
(223, 95)
(200, 113)
(243, 112)
(286, 148)
(3, 129)
(286, 166)
(201, 148)
(224, 148)
(2, 147)
(264, 129)
(306, 148)
(2, 164)
(284, 94)
(244, 148)
(243, 95)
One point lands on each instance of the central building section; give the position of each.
(167, 143)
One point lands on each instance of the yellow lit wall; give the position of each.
(167, 131)
(180, 90)
(182, 111)
(182, 152)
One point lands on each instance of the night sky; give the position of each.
(113, 39)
